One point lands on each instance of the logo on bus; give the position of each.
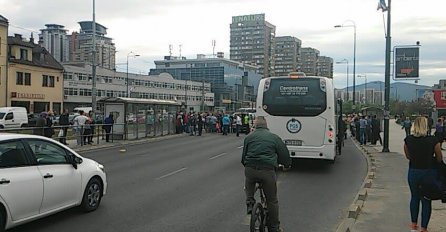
(293, 126)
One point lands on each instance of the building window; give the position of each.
(51, 79)
(23, 54)
(45, 81)
(19, 78)
(27, 78)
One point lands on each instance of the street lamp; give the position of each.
(353, 24)
(130, 54)
(365, 90)
(345, 61)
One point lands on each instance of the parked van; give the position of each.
(13, 117)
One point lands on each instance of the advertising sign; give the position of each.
(426, 94)
(440, 98)
(406, 62)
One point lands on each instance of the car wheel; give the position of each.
(92, 195)
(2, 220)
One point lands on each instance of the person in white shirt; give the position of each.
(78, 127)
(238, 124)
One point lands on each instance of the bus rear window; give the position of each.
(295, 97)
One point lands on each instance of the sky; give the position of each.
(148, 27)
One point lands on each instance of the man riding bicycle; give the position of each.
(263, 151)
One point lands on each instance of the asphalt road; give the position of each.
(195, 184)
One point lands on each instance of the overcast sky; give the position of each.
(147, 27)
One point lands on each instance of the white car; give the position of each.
(39, 177)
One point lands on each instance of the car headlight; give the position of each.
(101, 167)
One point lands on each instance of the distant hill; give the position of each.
(404, 91)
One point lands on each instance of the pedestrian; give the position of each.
(246, 123)
(49, 131)
(191, 124)
(430, 124)
(238, 124)
(406, 125)
(87, 129)
(263, 151)
(200, 124)
(78, 127)
(226, 122)
(40, 124)
(64, 121)
(357, 129)
(423, 152)
(362, 130)
(108, 124)
(439, 132)
(376, 131)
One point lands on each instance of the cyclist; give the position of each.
(263, 151)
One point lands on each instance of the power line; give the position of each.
(24, 28)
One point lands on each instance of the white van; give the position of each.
(13, 117)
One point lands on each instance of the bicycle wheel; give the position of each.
(257, 224)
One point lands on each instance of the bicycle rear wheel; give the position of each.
(257, 223)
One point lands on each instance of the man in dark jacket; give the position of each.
(263, 151)
(64, 121)
(40, 124)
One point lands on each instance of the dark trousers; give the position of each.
(268, 178)
(63, 139)
(200, 129)
(237, 129)
(414, 178)
(225, 129)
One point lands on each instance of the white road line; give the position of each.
(170, 174)
(215, 157)
(240, 147)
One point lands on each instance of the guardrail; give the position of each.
(94, 133)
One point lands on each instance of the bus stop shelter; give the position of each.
(139, 118)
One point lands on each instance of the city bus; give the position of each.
(301, 110)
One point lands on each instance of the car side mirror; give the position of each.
(74, 160)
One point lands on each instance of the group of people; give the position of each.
(195, 123)
(83, 127)
(365, 128)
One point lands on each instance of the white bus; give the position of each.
(301, 110)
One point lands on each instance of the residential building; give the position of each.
(35, 78)
(286, 54)
(325, 66)
(81, 46)
(233, 83)
(308, 61)
(3, 60)
(109, 83)
(54, 38)
(252, 42)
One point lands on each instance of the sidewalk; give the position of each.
(387, 205)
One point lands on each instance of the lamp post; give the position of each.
(353, 24)
(93, 64)
(387, 83)
(345, 61)
(130, 54)
(365, 90)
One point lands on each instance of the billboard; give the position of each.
(406, 62)
(426, 94)
(440, 98)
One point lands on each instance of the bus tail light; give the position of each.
(330, 136)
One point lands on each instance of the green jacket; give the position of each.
(265, 149)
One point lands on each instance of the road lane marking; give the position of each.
(240, 147)
(215, 157)
(172, 173)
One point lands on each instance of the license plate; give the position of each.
(293, 142)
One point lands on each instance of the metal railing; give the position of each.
(95, 133)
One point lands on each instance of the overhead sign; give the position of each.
(27, 95)
(407, 62)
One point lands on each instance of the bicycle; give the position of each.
(259, 212)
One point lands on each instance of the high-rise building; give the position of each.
(3, 60)
(234, 84)
(325, 66)
(81, 46)
(308, 61)
(54, 39)
(287, 50)
(252, 42)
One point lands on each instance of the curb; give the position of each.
(354, 210)
(124, 143)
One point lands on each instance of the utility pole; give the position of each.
(93, 72)
(387, 83)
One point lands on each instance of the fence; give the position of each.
(96, 132)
